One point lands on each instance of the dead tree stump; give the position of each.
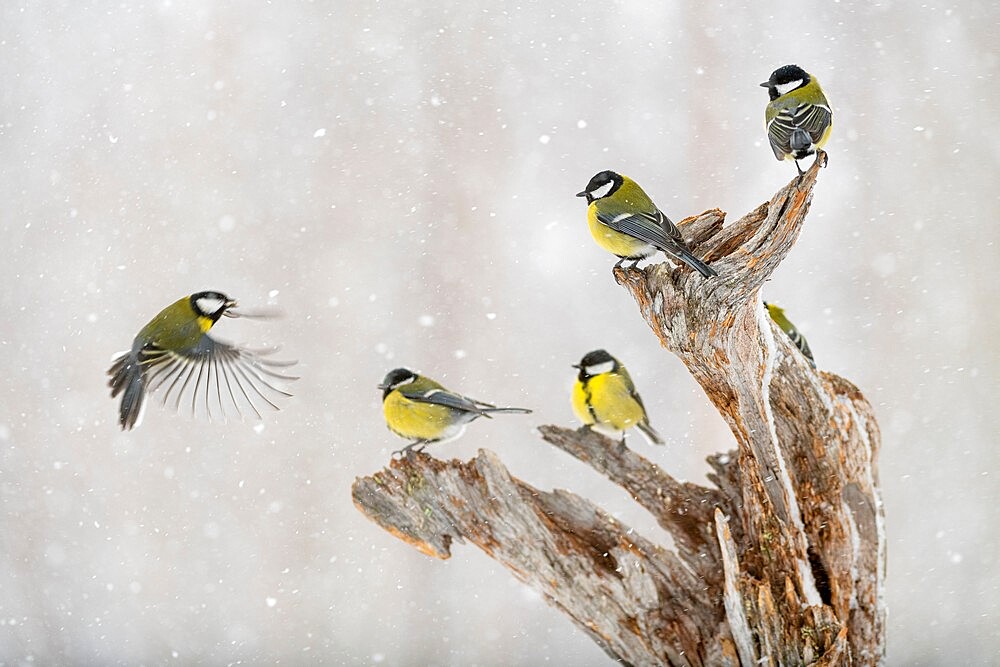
(780, 562)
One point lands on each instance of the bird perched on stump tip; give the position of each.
(798, 116)
(625, 222)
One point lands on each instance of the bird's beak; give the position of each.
(766, 84)
(229, 305)
(576, 366)
(582, 194)
(382, 387)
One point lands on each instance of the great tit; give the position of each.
(778, 315)
(798, 117)
(625, 221)
(175, 351)
(419, 409)
(605, 399)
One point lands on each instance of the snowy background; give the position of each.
(398, 178)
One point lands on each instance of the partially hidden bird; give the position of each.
(798, 116)
(624, 221)
(778, 315)
(421, 410)
(175, 353)
(605, 399)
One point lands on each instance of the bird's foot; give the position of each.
(410, 449)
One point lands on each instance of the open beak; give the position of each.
(229, 305)
(382, 387)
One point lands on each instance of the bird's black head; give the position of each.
(601, 185)
(212, 305)
(784, 80)
(394, 378)
(595, 363)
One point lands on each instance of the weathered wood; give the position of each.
(633, 597)
(781, 561)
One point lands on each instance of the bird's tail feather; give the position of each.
(651, 434)
(696, 264)
(128, 379)
(513, 411)
(800, 142)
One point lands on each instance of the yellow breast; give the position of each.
(614, 242)
(580, 406)
(414, 420)
(826, 135)
(610, 403)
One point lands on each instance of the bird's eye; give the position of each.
(603, 190)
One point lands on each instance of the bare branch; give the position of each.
(783, 562)
(634, 598)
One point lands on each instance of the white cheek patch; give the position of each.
(597, 369)
(603, 190)
(783, 88)
(408, 381)
(209, 306)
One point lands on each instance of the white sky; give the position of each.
(402, 174)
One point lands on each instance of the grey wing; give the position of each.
(779, 133)
(445, 398)
(654, 228)
(813, 118)
(631, 387)
(215, 378)
(646, 227)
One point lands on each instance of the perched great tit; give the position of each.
(625, 221)
(174, 350)
(419, 409)
(778, 315)
(798, 117)
(605, 399)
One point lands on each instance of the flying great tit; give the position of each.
(175, 351)
(798, 118)
(625, 221)
(605, 399)
(778, 315)
(419, 409)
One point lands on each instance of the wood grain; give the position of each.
(780, 560)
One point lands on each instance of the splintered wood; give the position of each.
(781, 561)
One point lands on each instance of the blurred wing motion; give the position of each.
(214, 378)
(262, 313)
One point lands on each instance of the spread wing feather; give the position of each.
(213, 378)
